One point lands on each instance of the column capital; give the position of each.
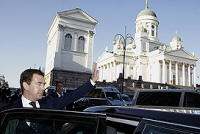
(60, 27)
(91, 33)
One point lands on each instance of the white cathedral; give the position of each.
(146, 56)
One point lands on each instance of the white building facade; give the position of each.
(146, 56)
(70, 46)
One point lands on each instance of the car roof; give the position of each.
(43, 111)
(134, 112)
(108, 89)
(167, 90)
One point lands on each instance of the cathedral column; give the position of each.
(183, 73)
(104, 72)
(176, 73)
(101, 73)
(163, 71)
(115, 70)
(194, 75)
(189, 76)
(170, 72)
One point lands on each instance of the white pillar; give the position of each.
(116, 74)
(100, 73)
(176, 73)
(183, 74)
(189, 76)
(170, 72)
(104, 72)
(163, 72)
(194, 71)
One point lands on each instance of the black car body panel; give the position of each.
(105, 120)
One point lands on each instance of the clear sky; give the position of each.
(24, 25)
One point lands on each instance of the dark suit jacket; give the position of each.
(50, 102)
(55, 94)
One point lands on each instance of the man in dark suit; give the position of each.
(59, 92)
(32, 84)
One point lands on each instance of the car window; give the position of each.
(119, 127)
(150, 129)
(45, 123)
(97, 93)
(126, 98)
(97, 102)
(48, 127)
(159, 98)
(113, 95)
(192, 100)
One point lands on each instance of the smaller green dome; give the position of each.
(146, 11)
(176, 38)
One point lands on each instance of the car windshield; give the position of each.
(126, 98)
(100, 102)
(113, 95)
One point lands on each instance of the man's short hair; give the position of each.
(58, 82)
(27, 76)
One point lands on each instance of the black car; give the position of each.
(167, 97)
(101, 120)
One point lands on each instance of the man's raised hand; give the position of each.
(95, 73)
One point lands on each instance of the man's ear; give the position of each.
(25, 85)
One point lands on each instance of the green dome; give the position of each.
(176, 37)
(147, 12)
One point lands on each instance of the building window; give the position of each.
(68, 42)
(153, 30)
(152, 33)
(81, 44)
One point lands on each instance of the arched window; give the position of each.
(68, 42)
(81, 44)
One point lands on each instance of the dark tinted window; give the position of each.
(99, 102)
(97, 93)
(149, 129)
(126, 98)
(119, 128)
(113, 95)
(192, 100)
(159, 98)
(50, 125)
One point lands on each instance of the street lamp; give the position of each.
(123, 39)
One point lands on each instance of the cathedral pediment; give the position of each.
(181, 53)
(77, 14)
(105, 55)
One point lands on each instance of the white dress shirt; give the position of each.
(25, 103)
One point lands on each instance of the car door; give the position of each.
(149, 126)
(51, 122)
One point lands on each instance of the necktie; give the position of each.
(34, 125)
(32, 103)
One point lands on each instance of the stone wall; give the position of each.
(70, 79)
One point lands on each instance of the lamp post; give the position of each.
(123, 39)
